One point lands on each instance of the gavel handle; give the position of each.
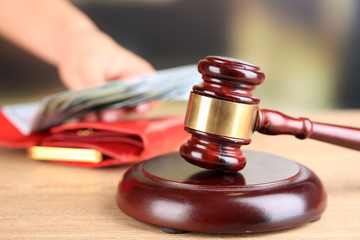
(273, 123)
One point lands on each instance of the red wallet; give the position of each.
(119, 143)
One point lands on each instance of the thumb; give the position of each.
(132, 66)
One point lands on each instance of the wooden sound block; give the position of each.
(270, 193)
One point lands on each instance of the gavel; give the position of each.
(223, 114)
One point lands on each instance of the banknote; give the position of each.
(169, 84)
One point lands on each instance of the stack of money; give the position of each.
(174, 84)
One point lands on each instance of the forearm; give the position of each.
(41, 26)
(62, 35)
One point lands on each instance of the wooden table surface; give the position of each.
(42, 200)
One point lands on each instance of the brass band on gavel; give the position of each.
(221, 117)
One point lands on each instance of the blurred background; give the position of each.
(308, 49)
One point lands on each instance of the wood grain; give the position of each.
(272, 122)
(40, 200)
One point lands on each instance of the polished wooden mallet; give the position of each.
(222, 115)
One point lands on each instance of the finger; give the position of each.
(145, 107)
(134, 65)
(117, 115)
(70, 78)
(91, 72)
(90, 117)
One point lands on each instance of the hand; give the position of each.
(90, 58)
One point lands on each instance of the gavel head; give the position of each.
(222, 114)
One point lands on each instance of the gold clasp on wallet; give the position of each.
(84, 132)
(65, 154)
